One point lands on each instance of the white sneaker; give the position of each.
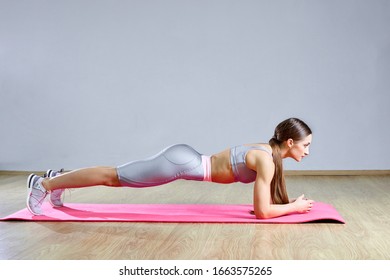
(36, 194)
(56, 199)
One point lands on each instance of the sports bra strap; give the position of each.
(261, 148)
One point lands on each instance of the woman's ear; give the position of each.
(290, 143)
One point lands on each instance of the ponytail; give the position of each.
(278, 185)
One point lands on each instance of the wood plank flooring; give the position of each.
(363, 201)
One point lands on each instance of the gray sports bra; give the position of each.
(241, 172)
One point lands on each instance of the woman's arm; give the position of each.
(262, 202)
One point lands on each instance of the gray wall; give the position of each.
(103, 82)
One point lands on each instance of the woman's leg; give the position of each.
(38, 187)
(86, 177)
(175, 162)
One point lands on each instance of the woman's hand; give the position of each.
(303, 205)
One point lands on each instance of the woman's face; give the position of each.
(300, 149)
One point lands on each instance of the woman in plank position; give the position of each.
(259, 163)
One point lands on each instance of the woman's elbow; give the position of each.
(262, 214)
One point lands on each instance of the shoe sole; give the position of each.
(30, 180)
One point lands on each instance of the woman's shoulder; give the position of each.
(260, 147)
(260, 159)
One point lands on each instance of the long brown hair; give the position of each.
(296, 130)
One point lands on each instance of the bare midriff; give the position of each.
(221, 169)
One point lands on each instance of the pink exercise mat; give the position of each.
(171, 213)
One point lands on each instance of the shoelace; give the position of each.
(58, 195)
(38, 198)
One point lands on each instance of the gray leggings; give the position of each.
(175, 162)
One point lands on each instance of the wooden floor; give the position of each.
(363, 201)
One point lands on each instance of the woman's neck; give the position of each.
(284, 151)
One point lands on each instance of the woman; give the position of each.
(258, 163)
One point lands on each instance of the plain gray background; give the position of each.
(93, 82)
